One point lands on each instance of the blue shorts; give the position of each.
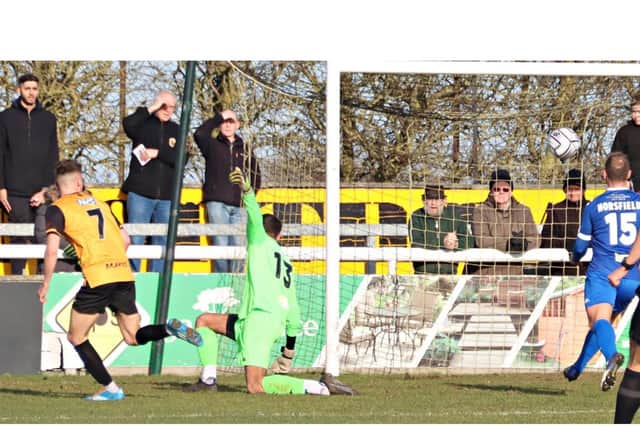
(598, 290)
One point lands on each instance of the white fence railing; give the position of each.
(370, 253)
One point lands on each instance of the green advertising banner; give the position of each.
(192, 295)
(379, 308)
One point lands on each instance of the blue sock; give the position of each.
(589, 349)
(606, 338)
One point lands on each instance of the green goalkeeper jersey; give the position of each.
(270, 285)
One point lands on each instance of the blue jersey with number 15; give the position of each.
(610, 225)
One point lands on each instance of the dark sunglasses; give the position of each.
(501, 190)
(229, 120)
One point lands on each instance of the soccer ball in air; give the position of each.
(564, 143)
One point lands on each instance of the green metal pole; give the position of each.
(162, 306)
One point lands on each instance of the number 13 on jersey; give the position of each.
(288, 268)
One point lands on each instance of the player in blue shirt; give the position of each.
(609, 225)
(628, 399)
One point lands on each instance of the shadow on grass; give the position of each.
(43, 393)
(181, 386)
(524, 390)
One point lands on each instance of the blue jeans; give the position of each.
(221, 213)
(143, 210)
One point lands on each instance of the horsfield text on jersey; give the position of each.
(626, 205)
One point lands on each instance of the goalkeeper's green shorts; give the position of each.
(255, 336)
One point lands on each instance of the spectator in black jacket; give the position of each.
(627, 140)
(561, 224)
(29, 150)
(222, 153)
(152, 168)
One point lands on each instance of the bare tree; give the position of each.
(459, 127)
(281, 105)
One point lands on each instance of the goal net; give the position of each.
(282, 109)
(455, 219)
(461, 219)
(429, 222)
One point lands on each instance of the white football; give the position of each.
(564, 143)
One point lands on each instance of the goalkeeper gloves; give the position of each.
(236, 177)
(70, 252)
(282, 364)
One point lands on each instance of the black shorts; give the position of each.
(120, 297)
(634, 328)
(231, 326)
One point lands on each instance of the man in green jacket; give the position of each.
(436, 226)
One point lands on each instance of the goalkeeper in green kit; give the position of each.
(268, 306)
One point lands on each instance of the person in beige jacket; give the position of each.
(503, 223)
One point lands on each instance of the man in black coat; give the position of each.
(29, 150)
(561, 224)
(152, 168)
(222, 153)
(627, 140)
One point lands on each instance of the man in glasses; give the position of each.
(222, 152)
(503, 223)
(152, 167)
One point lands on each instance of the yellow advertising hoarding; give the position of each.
(307, 206)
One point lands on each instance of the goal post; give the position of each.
(333, 217)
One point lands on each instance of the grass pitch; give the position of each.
(394, 399)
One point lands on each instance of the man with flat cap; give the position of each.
(437, 226)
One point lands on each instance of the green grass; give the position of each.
(478, 399)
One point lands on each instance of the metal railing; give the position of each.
(369, 254)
